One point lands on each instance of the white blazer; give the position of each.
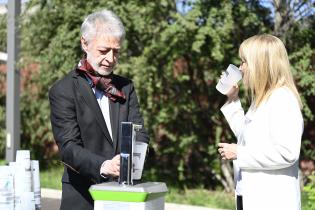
(269, 141)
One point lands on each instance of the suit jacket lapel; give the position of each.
(91, 101)
(114, 108)
(114, 119)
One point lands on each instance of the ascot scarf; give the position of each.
(103, 83)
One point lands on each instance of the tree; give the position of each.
(288, 12)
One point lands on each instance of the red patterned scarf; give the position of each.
(103, 83)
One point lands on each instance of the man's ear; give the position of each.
(84, 44)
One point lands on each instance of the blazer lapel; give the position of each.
(114, 119)
(91, 101)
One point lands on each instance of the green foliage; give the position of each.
(3, 33)
(300, 41)
(304, 74)
(309, 190)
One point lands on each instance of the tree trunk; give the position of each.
(278, 17)
(227, 171)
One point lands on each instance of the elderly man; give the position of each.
(87, 107)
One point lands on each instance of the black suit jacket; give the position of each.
(82, 136)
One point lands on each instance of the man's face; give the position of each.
(102, 53)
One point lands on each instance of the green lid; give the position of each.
(113, 191)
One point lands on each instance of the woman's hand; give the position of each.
(233, 93)
(227, 151)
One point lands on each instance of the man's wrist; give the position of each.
(103, 172)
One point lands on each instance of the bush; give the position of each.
(309, 190)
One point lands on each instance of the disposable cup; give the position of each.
(23, 157)
(229, 78)
(36, 182)
(139, 152)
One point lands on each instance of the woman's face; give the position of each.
(243, 66)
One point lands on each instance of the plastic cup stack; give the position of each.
(24, 197)
(23, 159)
(16, 169)
(36, 183)
(22, 178)
(6, 188)
(27, 201)
(20, 184)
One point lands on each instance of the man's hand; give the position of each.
(111, 167)
(227, 151)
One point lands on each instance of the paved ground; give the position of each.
(51, 201)
(50, 204)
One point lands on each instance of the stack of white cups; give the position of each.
(36, 183)
(26, 182)
(24, 197)
(6, 188)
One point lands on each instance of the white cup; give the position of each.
(229, 78)
(139, 152)
(24, 157)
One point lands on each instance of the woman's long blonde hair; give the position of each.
(268, 67)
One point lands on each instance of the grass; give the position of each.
(201, 197)
(2, 162)
(51, 177)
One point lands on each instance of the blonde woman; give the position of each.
(269, 135)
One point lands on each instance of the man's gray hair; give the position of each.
(103, 22)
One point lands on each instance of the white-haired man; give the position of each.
(87, 106)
